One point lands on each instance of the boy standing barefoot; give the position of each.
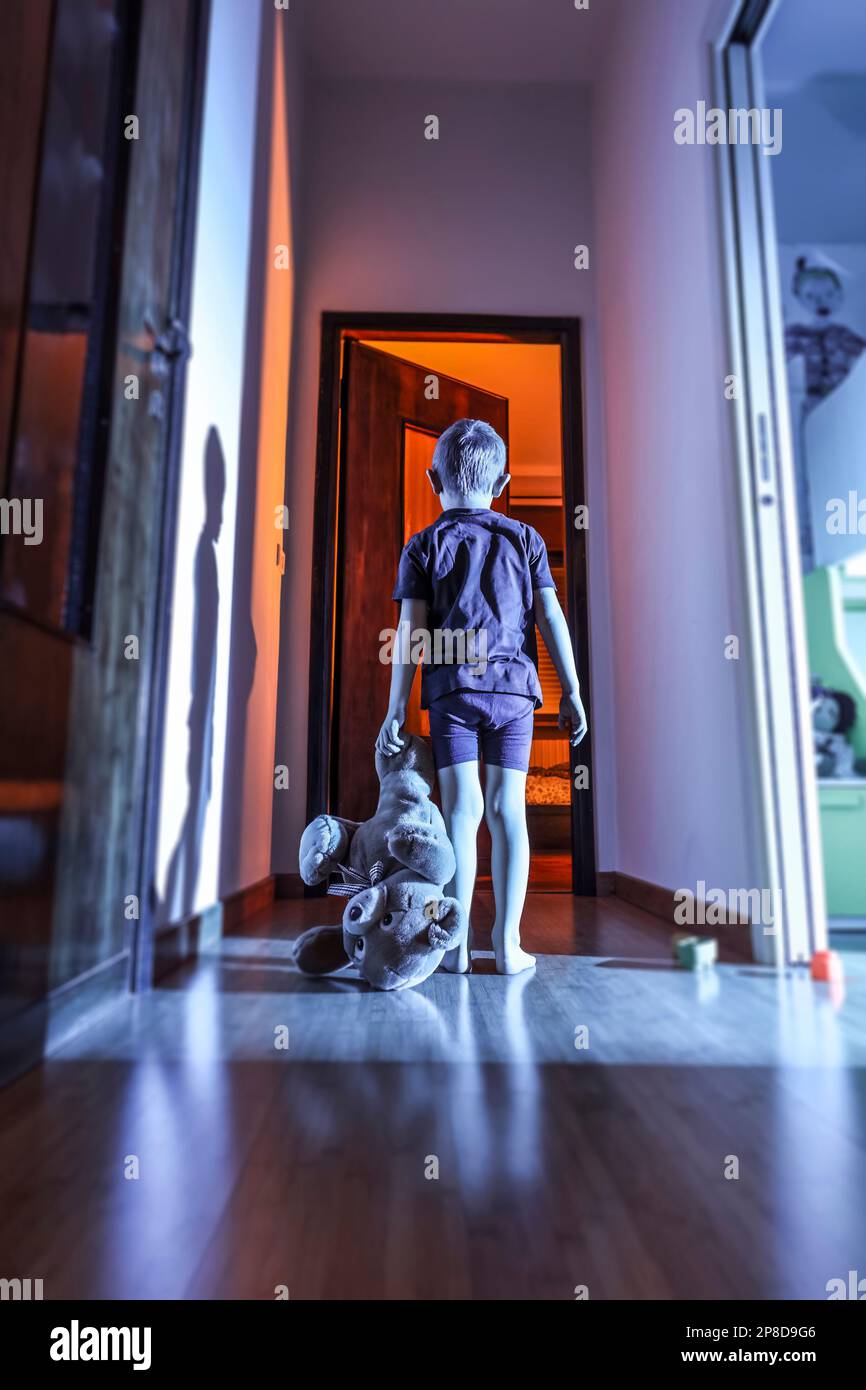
(478, 572)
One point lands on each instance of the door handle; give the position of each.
(173, 342)
(765, 467)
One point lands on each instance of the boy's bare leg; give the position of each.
(462, 809)
(505, 805)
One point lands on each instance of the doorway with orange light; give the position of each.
(389, 386)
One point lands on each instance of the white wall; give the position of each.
(483, 220)
(685, 797)
(237, 385)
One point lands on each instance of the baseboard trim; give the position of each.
(237, 907)
(39, 1029)
(180, 942)
(289, 886)
(734, 938)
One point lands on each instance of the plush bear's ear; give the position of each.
(320, 950)
(447, 926)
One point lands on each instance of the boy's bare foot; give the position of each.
(510, 957)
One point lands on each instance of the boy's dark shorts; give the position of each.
(468, 724)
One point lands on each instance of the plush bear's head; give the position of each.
(396, 933)
(414, 757)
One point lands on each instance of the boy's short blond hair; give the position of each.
(469, 457)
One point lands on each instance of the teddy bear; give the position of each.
(397, 924)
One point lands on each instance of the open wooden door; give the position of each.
(392, 412)
(88, 410)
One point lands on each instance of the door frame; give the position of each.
(162, 586)
(492, 328)
(788, 800)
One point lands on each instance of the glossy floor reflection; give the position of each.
(314, 1166)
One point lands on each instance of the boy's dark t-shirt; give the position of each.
(477, 570)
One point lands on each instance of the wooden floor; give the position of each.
(548, 873)
(557, 1167)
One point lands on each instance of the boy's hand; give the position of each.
(390, 740)
(572, 716)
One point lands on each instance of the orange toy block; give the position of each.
(827, 966)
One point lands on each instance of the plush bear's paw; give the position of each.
(324, 844)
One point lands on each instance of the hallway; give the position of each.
(324, 323)
(558, 1166)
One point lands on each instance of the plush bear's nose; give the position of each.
(354, 913)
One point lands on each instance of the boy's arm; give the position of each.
(413, 615)
(554, 629)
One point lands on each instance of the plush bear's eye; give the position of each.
(387, 919)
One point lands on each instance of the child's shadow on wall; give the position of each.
(183, 869)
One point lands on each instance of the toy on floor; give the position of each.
(397, 924)
(827, 966)
(695, 952)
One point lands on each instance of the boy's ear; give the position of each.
(501, 483)
(434, 480)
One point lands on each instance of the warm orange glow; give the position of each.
(270, 479)
(420, 503)
(528, 374)
(420, 509)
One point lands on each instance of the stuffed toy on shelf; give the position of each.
(833, 715)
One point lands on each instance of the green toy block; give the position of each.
(697, 952)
